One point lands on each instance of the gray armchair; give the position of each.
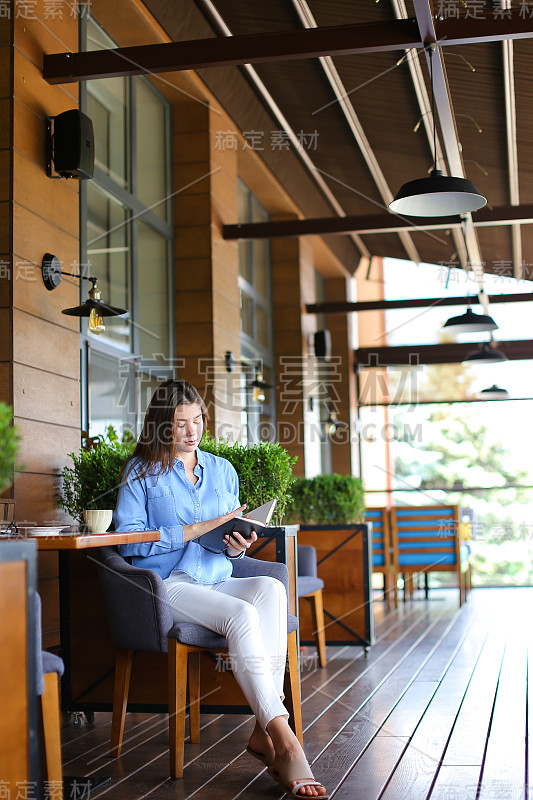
(139, 619)
(310, 588)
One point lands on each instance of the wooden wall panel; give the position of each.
(5, 122)
(5, 71)
(5, 334)
(38, 343)
(45, 34)
(344, 450)
(5, 280)
(53, 200)
(46, 397)
(36, 500)
(39, 450)
(5, 227)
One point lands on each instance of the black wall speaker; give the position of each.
(73, 145)
(323, 344)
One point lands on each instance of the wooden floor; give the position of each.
(439, 709)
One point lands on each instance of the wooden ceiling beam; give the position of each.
(346, 307)
(369, 224)
(335, 40)
(450, 353)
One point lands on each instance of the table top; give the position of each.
(82, 540)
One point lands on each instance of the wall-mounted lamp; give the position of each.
(92, 307)
(333, 423)
(258, 385)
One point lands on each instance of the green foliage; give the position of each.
(264, 470)
(94, 479)
(327, 500)
(9, 440)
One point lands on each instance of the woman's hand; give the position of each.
(237, 544)
(196, 529)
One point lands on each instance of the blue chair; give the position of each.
(49, 668)
(428, 539)
(381, 551)
(139, 619)
(310, 588)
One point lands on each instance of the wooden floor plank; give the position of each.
(469, 736)
(457, 783)
(402, 724)
(504, 769)
(371, 772)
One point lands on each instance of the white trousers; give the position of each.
(252, 614)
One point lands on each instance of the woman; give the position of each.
(172, 486)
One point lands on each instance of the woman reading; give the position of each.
(172, 486)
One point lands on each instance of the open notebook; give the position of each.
(258, 518)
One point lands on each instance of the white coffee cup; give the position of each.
(98, 520)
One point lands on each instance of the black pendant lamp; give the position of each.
(493, 393)
(92, 307)
(469, 323)
(439, 195)
(485, 355)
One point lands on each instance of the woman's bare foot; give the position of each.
(288, 749)
(261, 744)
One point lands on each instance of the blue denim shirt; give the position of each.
(168, 501)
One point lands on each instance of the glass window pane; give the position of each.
(261, 262)
(243, 203)
(108, 107)
(151, 141)
(245, 262)
(111, 394)
(262, 327)
(247, 323)
(108, 254)
(152, 290)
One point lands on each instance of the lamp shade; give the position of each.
(485, 355)
(469, 323)
(437, 196)
(493, 393)
(103, 309)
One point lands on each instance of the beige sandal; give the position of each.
(299, 771)
(265, 758)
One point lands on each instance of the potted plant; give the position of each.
(264, 470)
(330, 510)
(93, 481)
(9, 439)
(327, 499)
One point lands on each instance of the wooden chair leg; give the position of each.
(52, 736)
(177, 696)
(194, 695)
(317, 612)
(386, 589)
(120, 699)
(293, 702)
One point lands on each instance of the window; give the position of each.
(258, 416)
(126, 243)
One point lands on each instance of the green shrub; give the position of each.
(264, 470)
(9, 440)
(327, 500)
(94, 479)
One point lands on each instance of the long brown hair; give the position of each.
(155, 450)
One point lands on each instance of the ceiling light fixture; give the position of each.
(439, 195)
(469, 323)
(493, 393)
(485, 355)
(92, 307)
